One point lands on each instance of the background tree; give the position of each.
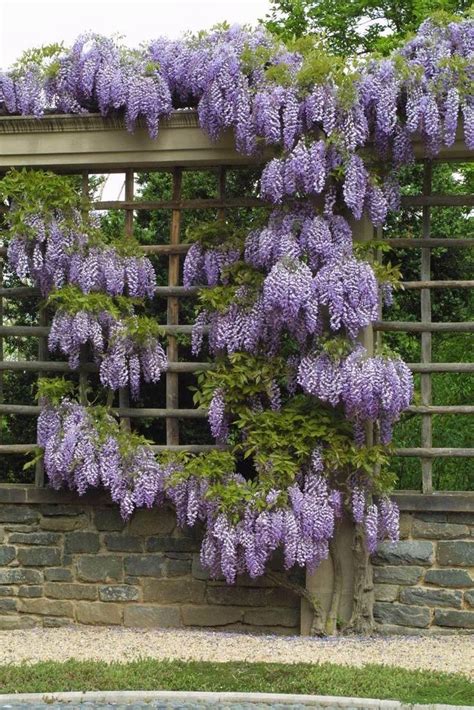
(355, 26)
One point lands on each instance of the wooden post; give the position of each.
(426, 338)
(172, 381)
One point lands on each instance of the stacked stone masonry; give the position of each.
(425, 583)
(63, 563)
(66, 560)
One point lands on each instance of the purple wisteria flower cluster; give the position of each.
(81, 455)
(300, 278)
(58, 251)
(369, 388)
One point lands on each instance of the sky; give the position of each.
(29, 23)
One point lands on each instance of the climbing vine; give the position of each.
(293, 391)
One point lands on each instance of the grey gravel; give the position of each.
(451, 654)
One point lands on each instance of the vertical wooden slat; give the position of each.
(124, 394)
(42, 356)
(172, 382)
(83, 378)
(426, 338)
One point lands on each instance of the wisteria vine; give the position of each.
(283, 306)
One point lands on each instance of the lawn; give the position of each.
(372, 681)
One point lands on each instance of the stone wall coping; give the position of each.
(216, 699)
(451, 502)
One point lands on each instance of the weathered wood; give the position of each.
(179, 204)
(165, 291)
(441, 366)
(427, 200)
(437, 501)
(37, 331)
(172, 314)
(434, 243)
(441, 409)
(128, 412)
(411, 327)
(426, 338)
(435, 452)
(54, 366)
(9, 449)
(437, 284)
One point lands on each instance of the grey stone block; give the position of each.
(12, 622)
(449, 578)
(58, 574)
(7, 605)
(20, 576)
(255, 597)
(398, 575)
(469, 598)
(35, 538)
(7, 554)
(172, 544)
(46, 607)
(140, 616)
(18, 514)
(459, 553)
(108, 519)
(99, 568)
(75, 542)
(211, 615)
(98, 613)
(431, 597)
(439, 531)
(173, 591)
(405, 552)
(123, 543)
(178, 568)
(402, 614)
(53, 510)
(39, 556)
(152, 522)
(386, 592)
(145, 565)
(119, 593)
(32, 591)
(65, 590)
(455, 619)
(272, 617)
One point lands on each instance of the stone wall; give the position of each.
(425, 583)
(68, 560)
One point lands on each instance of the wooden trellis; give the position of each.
(99, 146)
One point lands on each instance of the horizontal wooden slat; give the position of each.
(442, 501)
(441, 409)
(52, 366)
(437, 200)
(198, 204)
(431, 243)
(163, 291)
(435, 453)
(441, 366)
(38, 331)
(411, 327)
(137, 413)
(192, 448)
(437, 284)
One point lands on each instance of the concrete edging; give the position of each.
(218, 699)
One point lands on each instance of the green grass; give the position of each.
(372, 681)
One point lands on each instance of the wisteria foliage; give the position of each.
(304, 281)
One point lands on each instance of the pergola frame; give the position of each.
(90, 144)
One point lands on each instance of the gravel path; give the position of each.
(453, 654)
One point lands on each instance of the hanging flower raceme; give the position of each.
(84, 448)
(369, 388)
(349, 289)
(105, 269)
(133, 353)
